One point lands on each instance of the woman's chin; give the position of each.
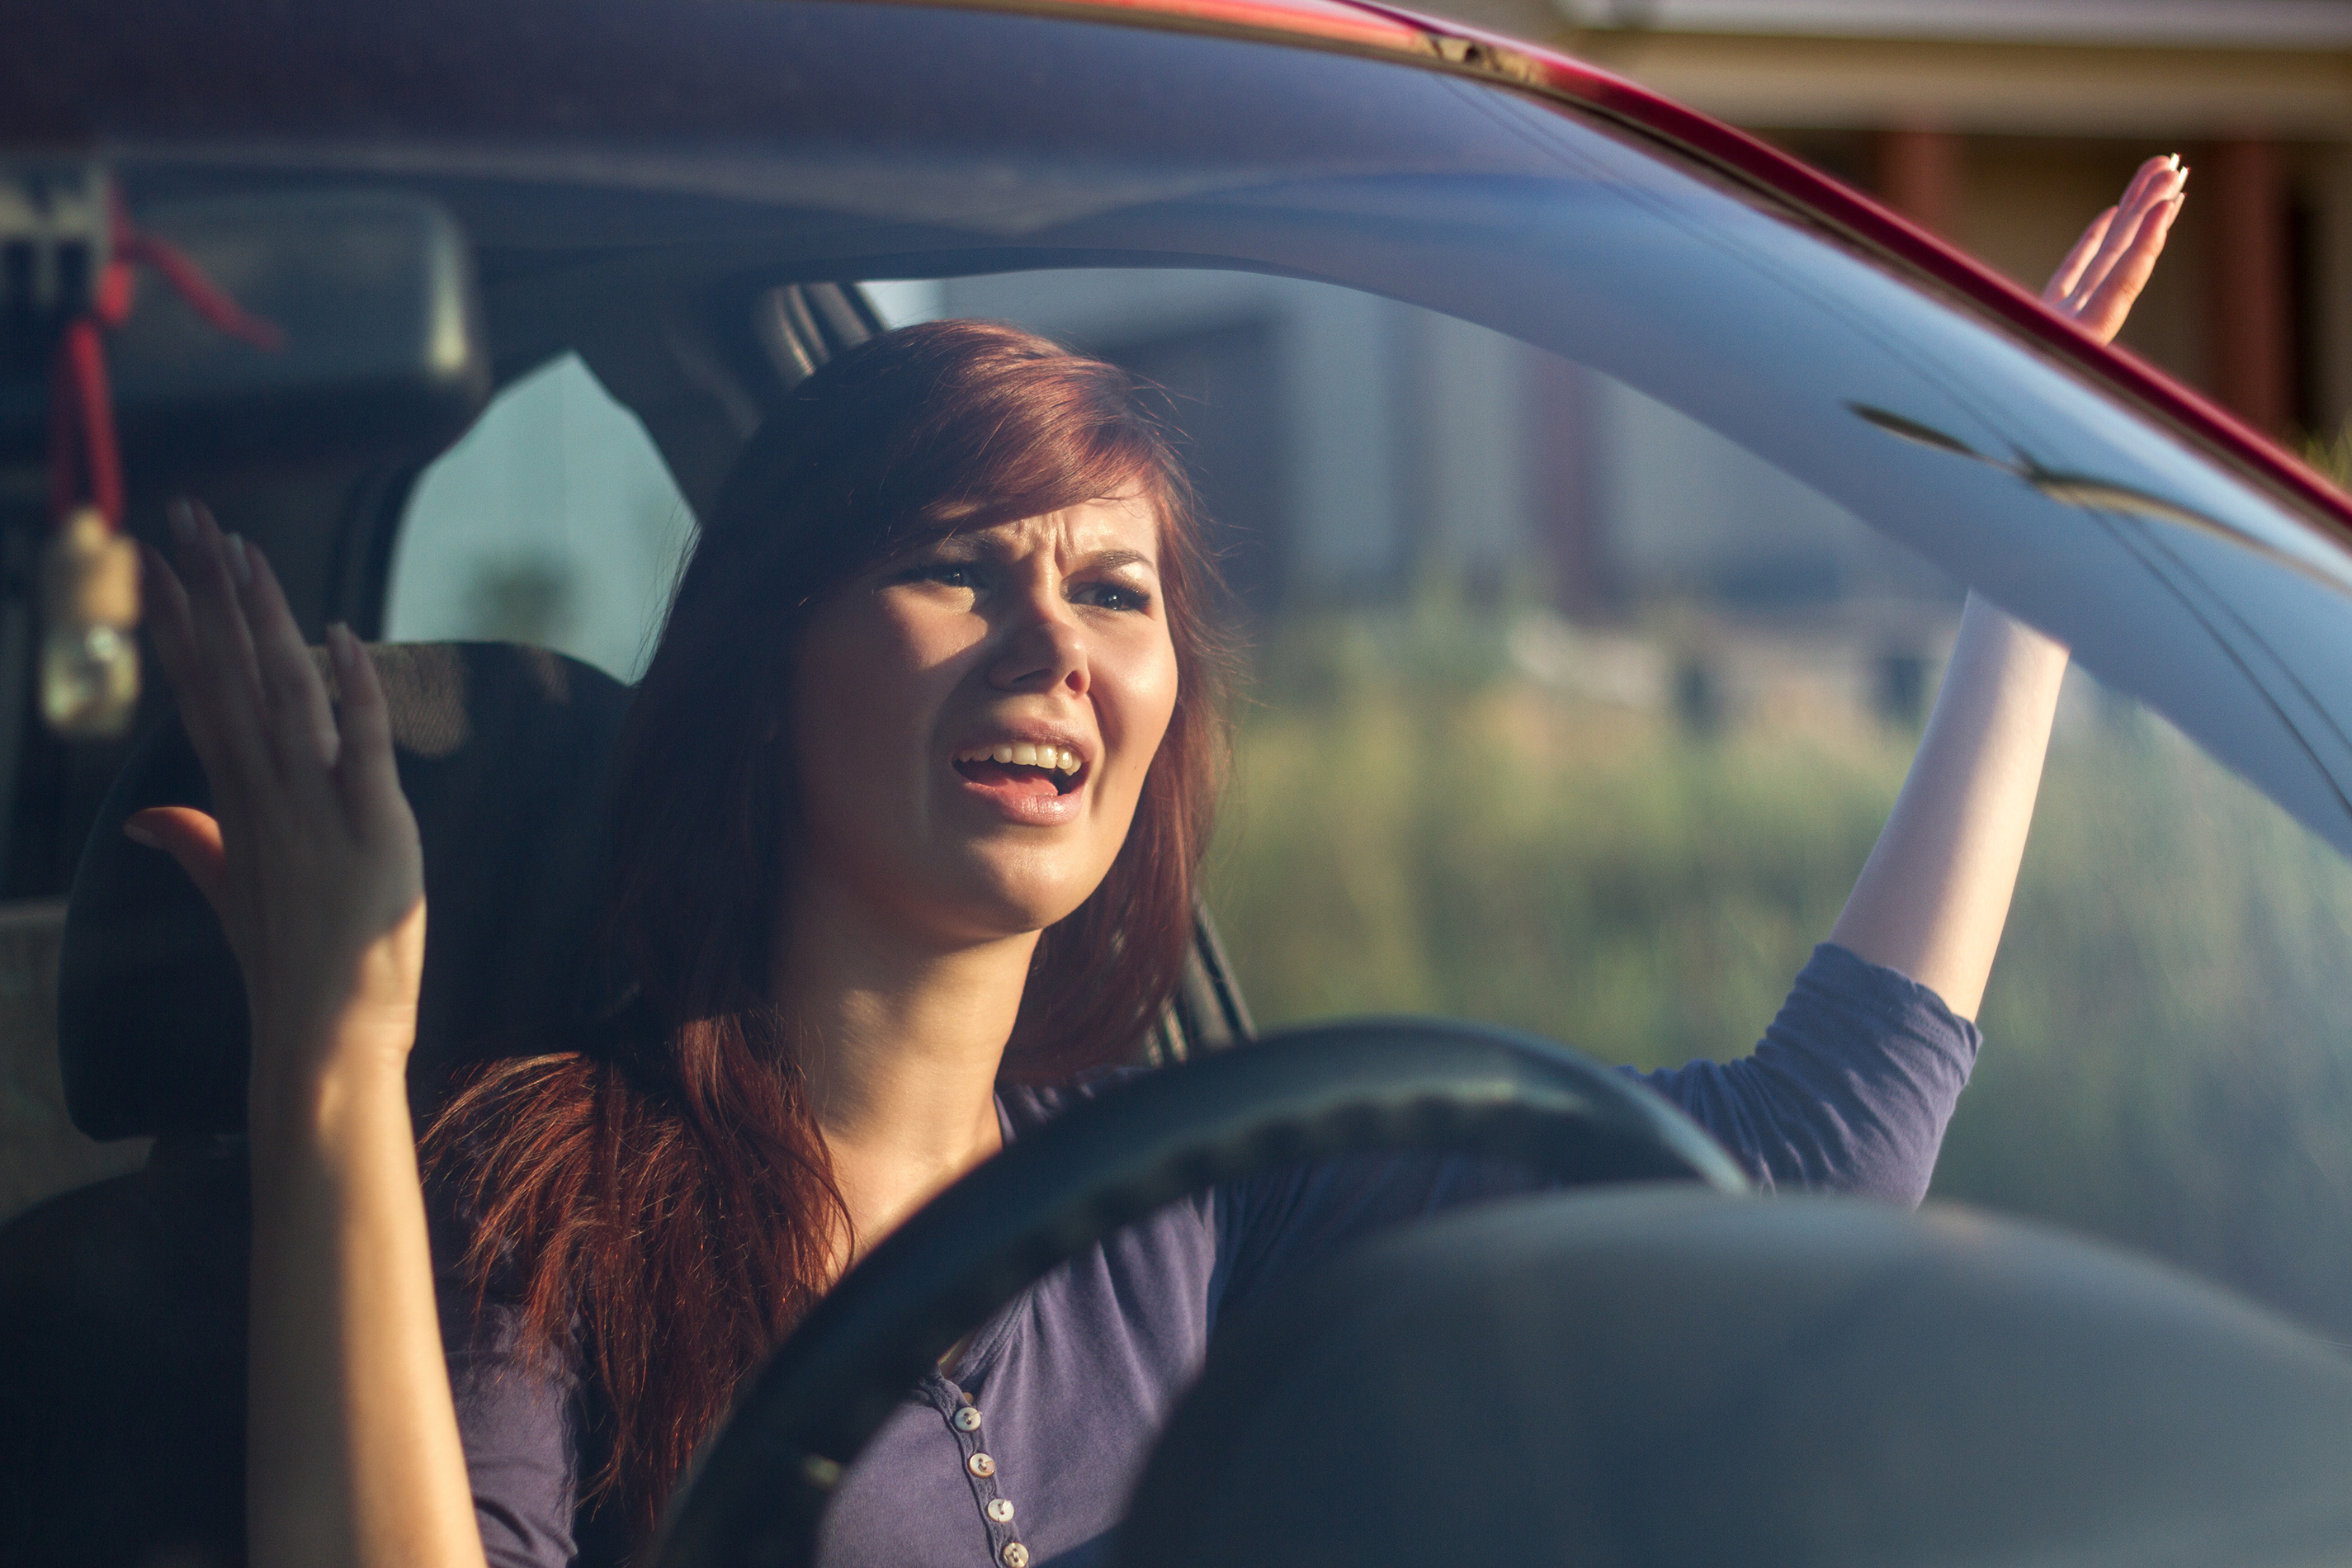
(1023, 903)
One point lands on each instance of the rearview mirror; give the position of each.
(372, 293)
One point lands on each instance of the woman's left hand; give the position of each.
(1933, 896)
(2108, 267)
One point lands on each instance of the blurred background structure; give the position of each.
(2001, 125)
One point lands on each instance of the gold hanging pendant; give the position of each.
(90, 619)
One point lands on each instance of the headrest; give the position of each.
(503, 751)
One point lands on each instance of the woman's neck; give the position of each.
(901, 1043)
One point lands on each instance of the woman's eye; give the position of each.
(1111, 596)
(946, 573)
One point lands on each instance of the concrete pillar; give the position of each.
(1564, 480)
(1468, 450)
(1349, 410)
(1918, 173)
(2250, 312)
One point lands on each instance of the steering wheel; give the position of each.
(756, 1494)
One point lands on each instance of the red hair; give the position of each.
(659, 1199)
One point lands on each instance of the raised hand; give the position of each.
(1935, 893)
(353, 1459)
(313, 861)
(2110, 264)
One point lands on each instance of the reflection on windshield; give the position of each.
(2093, 494)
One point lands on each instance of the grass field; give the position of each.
(1415, 828)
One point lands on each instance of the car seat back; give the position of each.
(502, 752)
(123, 1304)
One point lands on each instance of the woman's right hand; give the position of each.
(353, 1459)
(312, 859)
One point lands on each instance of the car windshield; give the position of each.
(1598, 522)
(1916, 415)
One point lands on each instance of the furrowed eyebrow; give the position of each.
(982, 547)
(1112, 560)
(971, 546)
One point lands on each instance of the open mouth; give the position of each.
(1021, 770)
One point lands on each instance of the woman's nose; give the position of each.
(1046, 651)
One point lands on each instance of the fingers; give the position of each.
(2101, 312)
(171, 625)
(2126, 221)
(214, 567)
(365, 773)
(2154, 190)
(301, 724)
(191, 838)
(2070, 271)
(2149, 182)
(251, 696)
(208, 652)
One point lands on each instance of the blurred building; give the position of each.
(2003, 124)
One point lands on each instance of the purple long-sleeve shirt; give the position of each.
(1848, 1092)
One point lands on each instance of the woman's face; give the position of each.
(974, 721)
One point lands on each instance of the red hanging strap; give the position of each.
(133, 245)
(81, 428)
(85, 460)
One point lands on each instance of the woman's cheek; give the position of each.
(1158, 705)
(1147, 705)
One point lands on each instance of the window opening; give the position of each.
(553, 523)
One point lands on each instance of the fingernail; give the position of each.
(183, 519)
(344, 646)
(238, 566)
(2173, 159)
(138, 835)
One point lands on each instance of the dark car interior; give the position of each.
(1665, 1374)
(123, 1303)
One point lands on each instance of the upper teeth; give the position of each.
(1061, 759)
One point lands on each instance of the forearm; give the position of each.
(353, 1445)
(1933, 895)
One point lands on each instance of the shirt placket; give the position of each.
(998, 1514)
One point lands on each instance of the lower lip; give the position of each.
(1025, 806)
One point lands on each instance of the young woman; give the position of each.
(906, 826)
